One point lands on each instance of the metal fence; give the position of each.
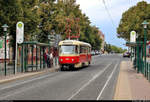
(6, 65)
(139, 64)
(30, 57)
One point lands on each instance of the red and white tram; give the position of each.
(74, 54)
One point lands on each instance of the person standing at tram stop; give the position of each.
(48, 61)
(51, 59)
(55, 56)
(45, 57)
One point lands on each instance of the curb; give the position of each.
(28, 74)
(123, 90)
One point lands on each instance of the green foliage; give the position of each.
(40, 17)
(115, 49)
(132, 20)
(12, 11)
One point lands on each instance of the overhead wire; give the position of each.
(109, 15)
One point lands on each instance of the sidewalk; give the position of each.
(9, 78)
(131, 85)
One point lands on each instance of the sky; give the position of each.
(107, 22)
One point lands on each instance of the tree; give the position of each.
(132, 20)
(12, 11)
(46, 12)
(42, 16)
(114, 49)
(31, 18)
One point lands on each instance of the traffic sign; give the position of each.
(132, 36)
(20, 32)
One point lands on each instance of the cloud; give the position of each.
(96, 11)
(99, 17)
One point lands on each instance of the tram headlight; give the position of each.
(61, 59)
(72, 59)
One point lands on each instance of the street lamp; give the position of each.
(145, 23)
(5, 26)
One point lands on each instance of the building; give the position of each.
(102, 36)
(2, 48)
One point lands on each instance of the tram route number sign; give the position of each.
(20, 32)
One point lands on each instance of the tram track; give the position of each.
(66, 85)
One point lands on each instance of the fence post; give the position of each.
(147, 70)
(144, 68)
(40, 57)
(26, 58)
(32, 57)
(138, 59)
(36, 57)
(21, 57)
(149, 73)
(135, 57)
(43, 59)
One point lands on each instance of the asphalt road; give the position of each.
(96, 82)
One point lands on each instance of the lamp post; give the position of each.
(145, 23)
(5, 26)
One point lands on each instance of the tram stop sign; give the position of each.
(20, 32)
(132, 36)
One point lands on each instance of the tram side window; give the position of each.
(86, 50)
(76, 49)
(89, 50)
(83, 49)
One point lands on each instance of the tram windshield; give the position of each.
(68, 49)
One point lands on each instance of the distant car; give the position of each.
(96, 52)
(126, 54)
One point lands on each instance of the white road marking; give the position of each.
(14, 93)
(17, 92)
(94, 77)
(99, 96)
(24, 82)
(29, 88)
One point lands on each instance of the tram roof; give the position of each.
(75, 42)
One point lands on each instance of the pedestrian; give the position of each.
(48, 61)
(54, 57)
(51, 58)
(45, 57)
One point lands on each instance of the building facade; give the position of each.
(102, 36)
